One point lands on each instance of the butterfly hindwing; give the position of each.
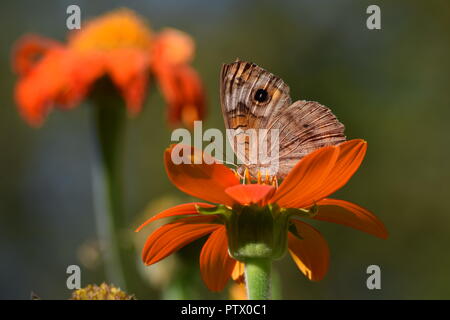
(303, 127)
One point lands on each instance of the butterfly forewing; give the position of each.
(243, 85)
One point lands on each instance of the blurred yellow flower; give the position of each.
(102, 292)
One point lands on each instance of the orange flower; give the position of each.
(303, 194)
(180, 84)
(119, 45)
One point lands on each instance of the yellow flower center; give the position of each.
(261, 178)
(121, 28)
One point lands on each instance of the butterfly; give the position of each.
(255, 100)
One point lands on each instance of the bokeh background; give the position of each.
(388, 86)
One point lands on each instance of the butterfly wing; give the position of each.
(303, 127)
(250, 99)
(240, 83)
(253, 98)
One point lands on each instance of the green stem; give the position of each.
(257, 278)
(118, 255)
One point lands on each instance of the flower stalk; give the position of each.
(258, 278)
(108, 123)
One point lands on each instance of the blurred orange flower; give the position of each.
(306, 187)
(119, 45)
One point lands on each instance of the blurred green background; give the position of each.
(388, 86)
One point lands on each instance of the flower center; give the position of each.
(118, 29)
(261, 177)
(266, 179)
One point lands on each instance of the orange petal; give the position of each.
(303, 180)
(351, 215)
(250, 193)
(351, 154)
(318, 183)
(216, 265)
(60, 76)
(128, 69)
(36, 91)
(180, 210)
(173, 236)
(204, 181)
(183, 91)
(179, 83)
(82, 71)
(173, 47)
(238, 272)
(28, 50)
(193, 96)
(310, 253)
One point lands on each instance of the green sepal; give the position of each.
(256, 232)
(300, 212)
(217, 210)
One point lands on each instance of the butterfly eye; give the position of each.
(261, 95)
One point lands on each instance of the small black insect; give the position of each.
(261, 95)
